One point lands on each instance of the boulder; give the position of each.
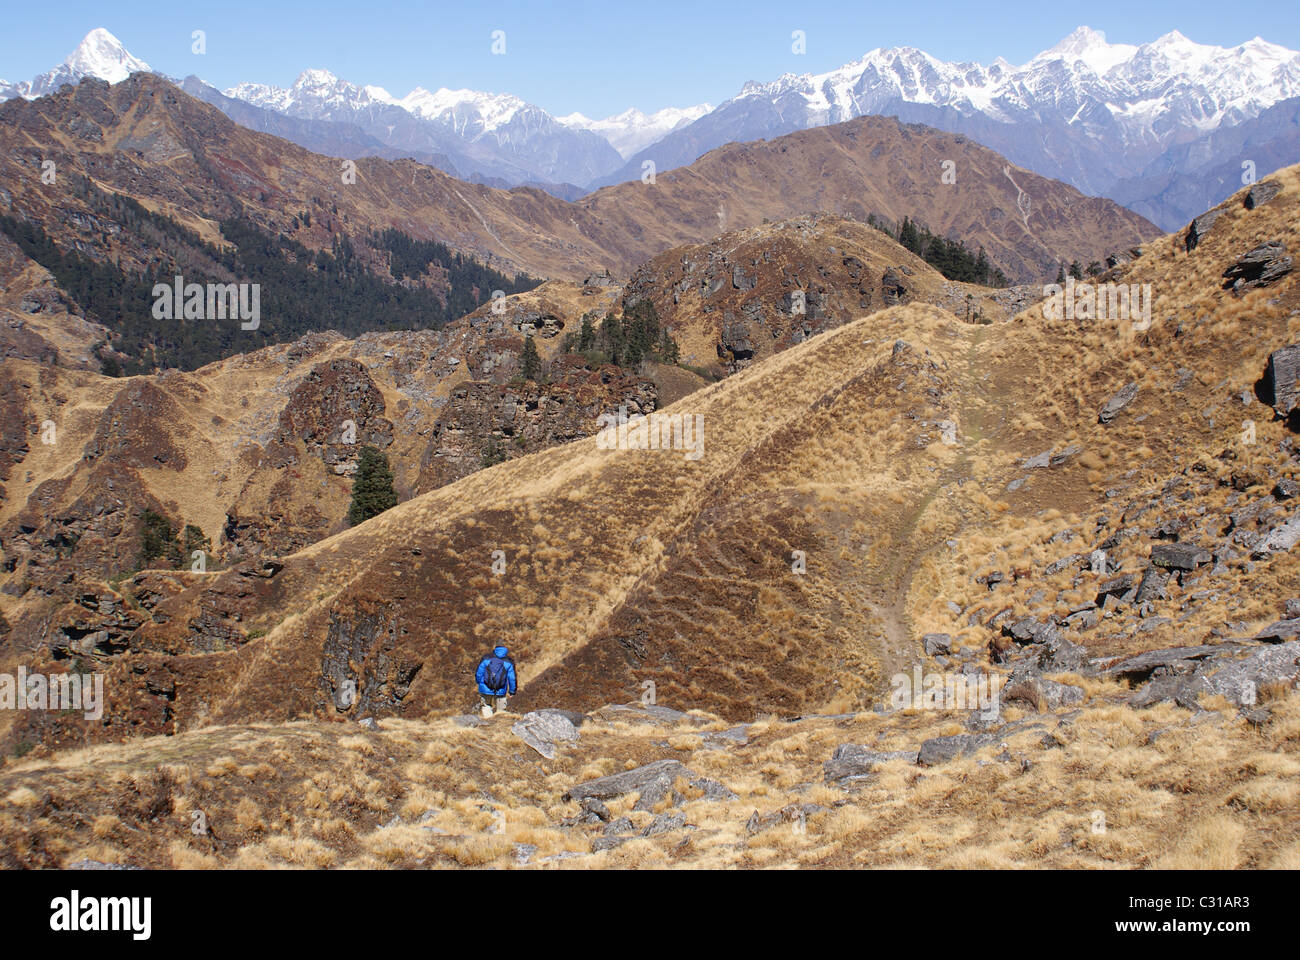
(1284, 374)
(1126, 395)
(1278, 540)
(664, 823)
(543, 730)
(1261, 193)
(1144, 664)
(854, 761)
(1179, 556)
(1281, 630)
(617, 784)
(1200, 227)
(937, 643)
(1237, 679)
(1027, 685)
(939, 750)
(1258, 267)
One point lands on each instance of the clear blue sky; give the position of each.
(597, 58)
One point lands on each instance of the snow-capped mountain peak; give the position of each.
(1089, 46)
(633, 130)
(101, 55)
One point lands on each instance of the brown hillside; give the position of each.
(148, 140)
(626, 566)
(1148, 718)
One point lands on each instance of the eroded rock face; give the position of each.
(484, 422)
(764, 292)
(362, 671)
(1258, 267)
(333, 413)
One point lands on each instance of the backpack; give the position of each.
(495, 677)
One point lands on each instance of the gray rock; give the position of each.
(1127, 394)
(1286, 489)
(623, 825)
(1281, 630)
(1152, 586)
(713, 790)
(665, 823)
(1261, 193)
(617, 784)
(854, 761)
(1200, 227)
(1239, 680)
(593, 806)
(1278, 540)
(937, 643)
(99, 865)
(1179, 556)
(939, 750)
(1258, 267)
(607, 843)
(542, 731)
(1027, 685)
(1056, 566)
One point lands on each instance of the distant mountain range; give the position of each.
(1163, 127)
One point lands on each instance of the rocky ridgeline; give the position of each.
(763, 290)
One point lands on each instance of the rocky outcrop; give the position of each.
(1258, 267)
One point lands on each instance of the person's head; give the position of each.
(501, 651)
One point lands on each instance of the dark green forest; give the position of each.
(949, 257)
(300, 291)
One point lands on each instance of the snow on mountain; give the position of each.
(632, 130)
(488, 134)
(1085, 111)
(100, 55)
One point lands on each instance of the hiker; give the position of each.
(496, 681)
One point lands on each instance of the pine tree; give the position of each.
(530, 363)
(1076, 270)
(1060, 274)
(587, 338)
(372, 487)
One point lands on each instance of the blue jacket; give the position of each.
(500, 653)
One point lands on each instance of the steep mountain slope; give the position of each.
(264, 472)
(904, 474)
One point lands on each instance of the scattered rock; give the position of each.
(1179, 556)
(937, 643)
(1115, 404)
(617, 784)
(939, 750)
(854, 761)
(1200, 227)
(1261, 193)
(1259, 267)
(541, 730)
